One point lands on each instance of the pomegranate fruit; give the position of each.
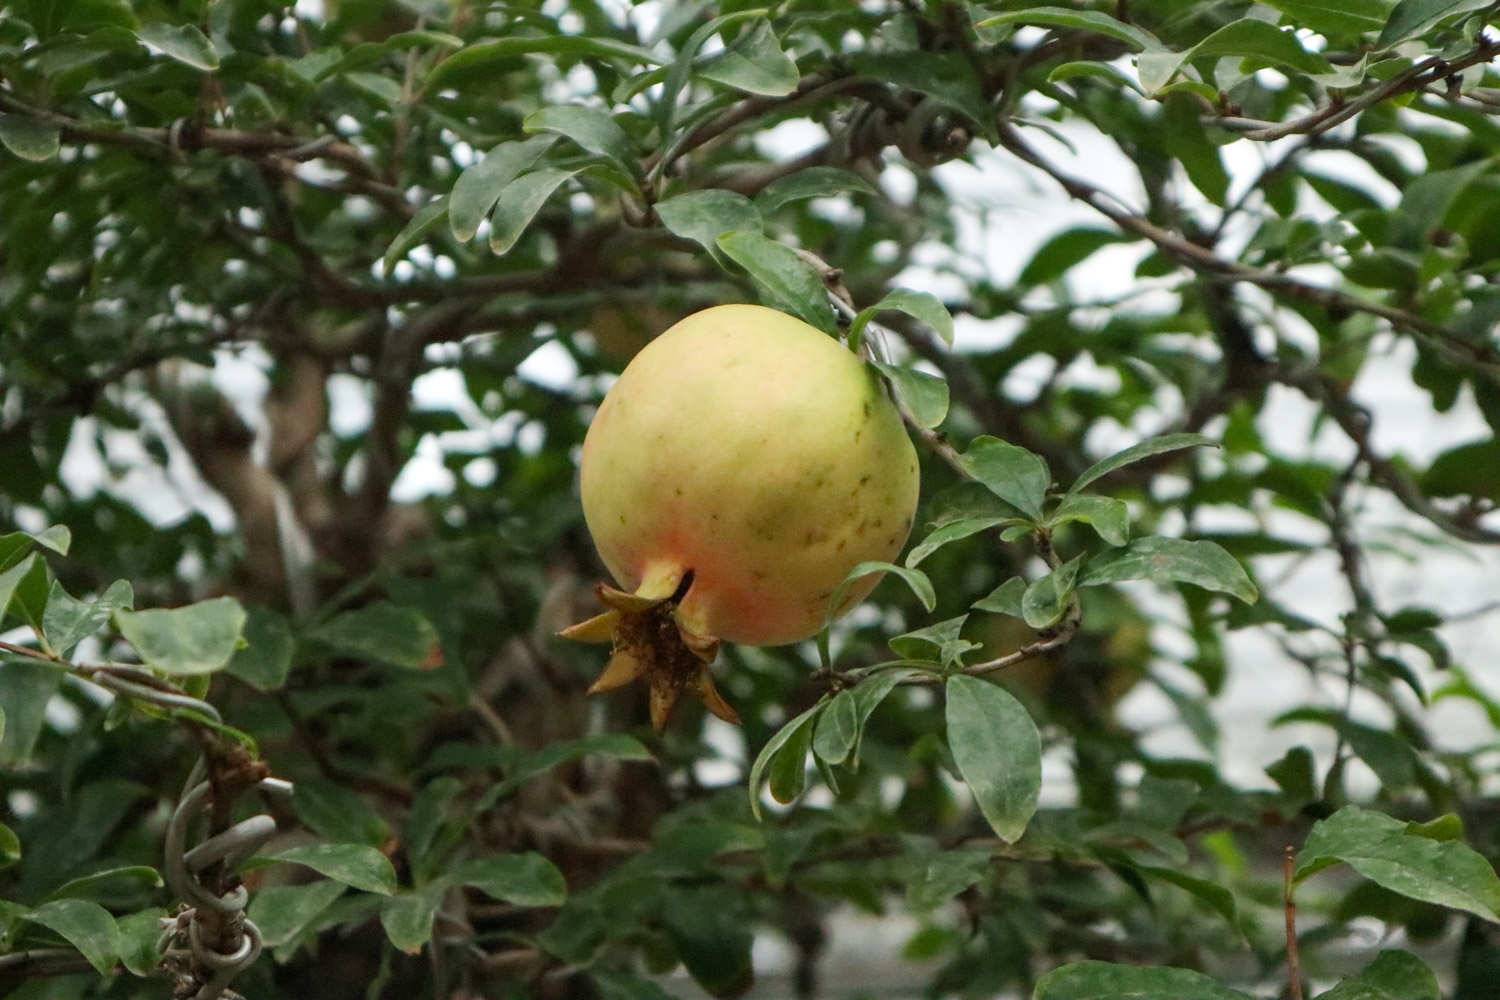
(742, 465)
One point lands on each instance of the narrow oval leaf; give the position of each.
(381, 632)
(1413, 17)
(914, 578)
(784, 735)
(754, 63)
(1136, 452)
(1201, 563)
(924, 395)
(1062, 252)
(814, 182)
(139, 934)
(182, 42)
(482, 58)
(1092, 21)
(423, 222)
(519, 879)
(519, 203)
(786, 280)
(946, 77)
(998, 752)
(952, 531)
(1106, 515)
(283, 911)
(86, 926)
(29, 139)
(198, 639)
(1394, 975)
(1385, 851)
(1012, 473)
(786, 773)
(921, 306)
(356, 865)
(478, 188)
(1004, 599)
(704, 216)
(267, 657)
(593, 129)
(837, 728)
(1107, 981)
(89, 885)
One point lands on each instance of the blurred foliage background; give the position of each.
(309, 305)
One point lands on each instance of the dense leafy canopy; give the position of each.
(304, 310)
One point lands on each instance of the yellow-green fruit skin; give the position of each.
(760, 454)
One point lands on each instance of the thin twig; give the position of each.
(1289, 904)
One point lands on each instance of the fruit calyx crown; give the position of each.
(651, 644)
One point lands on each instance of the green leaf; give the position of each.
(1201, 563)
(1411, 18)
(11, 579)
(1337, 18)
(407, 917)
(1427, 200)
(913, 578)
(998, 752)
(624, 986)
(267, 657)
(1012, 473)
(25, 688)
(357, 865)
(198, 639)
(786, 773)
(921, 306)
(788, 734)
(336, 813)
(182, 42)
(754, 63)
(28, 600)
(940, 640)
(283, 911)
(703, 216)
(837, 728)
(1106, 515)
(478, 187)
(1082, 20)
(10, 847)
(1384, 851)
(89, 885)
(937, 877)
(1466, 470)
(1004, 599)
(785, 280)
(1394, 975)
(29, 139)
(421, 223)
(86, 926)
(481, 59)
(68, 622)
(1135, 453)
(1245, 37)
(952, 531)
(593, 129)
(381, 632)
(1107, 981)
(925, 396)
(814, 182)
(519, 879)
(682, 66)
(1062, 252)
(519, 203)
(946, 77)
(1215, 896)
(1046, 600)
(139, 934)
(710, 930)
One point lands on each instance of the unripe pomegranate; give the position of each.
(733, 476)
